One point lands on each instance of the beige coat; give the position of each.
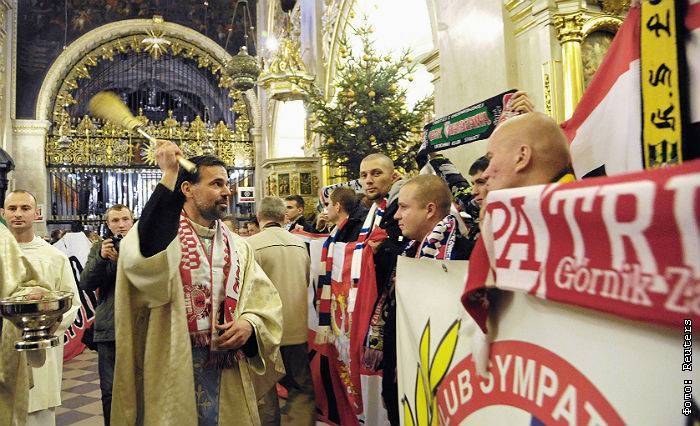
(153, 380)
(17, 277)
(285, 259)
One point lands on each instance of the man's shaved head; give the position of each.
(377, 175)
(384, 160)
(430, 189)
(20, 192)
(19, 214)
(529, 149)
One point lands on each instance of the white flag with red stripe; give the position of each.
(605, 129)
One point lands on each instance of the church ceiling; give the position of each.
(43, 30)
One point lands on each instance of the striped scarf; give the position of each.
(372, 221)
(439, 244)
(324, 333)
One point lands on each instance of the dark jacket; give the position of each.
(461, 194)
(308, 226)
(101, 274)
(384, 264)
(351, 230)
(393, 246)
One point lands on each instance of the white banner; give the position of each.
(77, 246)
(550, 363)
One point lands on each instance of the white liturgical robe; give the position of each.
(54, 267)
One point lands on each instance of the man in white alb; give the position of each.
(53, 266)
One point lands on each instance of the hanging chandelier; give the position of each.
(243, 68)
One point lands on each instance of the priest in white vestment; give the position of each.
(19, 213)
(17, 277)
(197, 320)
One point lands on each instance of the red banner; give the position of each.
(344, 395)
(627, 245)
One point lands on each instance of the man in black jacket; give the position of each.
(425, 219)
(101, 273)
(381, 183)
(295, 214)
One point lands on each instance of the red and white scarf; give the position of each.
(210, 281)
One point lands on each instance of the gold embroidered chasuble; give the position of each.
(154, 380)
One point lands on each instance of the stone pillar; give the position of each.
(260, 155)
(30, 164)
(7, 70)
(571, 36)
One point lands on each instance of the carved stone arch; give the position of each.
(92, 40)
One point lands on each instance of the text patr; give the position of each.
(628, 245)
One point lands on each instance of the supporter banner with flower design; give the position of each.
(548, 363)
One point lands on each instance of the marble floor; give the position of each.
(80, 392)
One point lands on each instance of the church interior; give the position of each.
(294, 96)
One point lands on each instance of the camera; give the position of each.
(116, 239)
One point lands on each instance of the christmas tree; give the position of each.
(368, 112)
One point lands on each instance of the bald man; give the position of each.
(20, 212)
(424, 218)
(381, 183)
(529, 149)
(17, 277)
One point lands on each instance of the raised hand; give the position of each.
(107, 250)
(521, 103)
(166, 157)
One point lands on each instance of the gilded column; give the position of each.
(570, 36)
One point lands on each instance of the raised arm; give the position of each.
(144, 256)
(97, 270)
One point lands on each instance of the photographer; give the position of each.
(101, 273)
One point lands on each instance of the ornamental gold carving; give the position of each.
(92, 142)
(615, 7)
(569, 27)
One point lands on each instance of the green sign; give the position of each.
(470, 124)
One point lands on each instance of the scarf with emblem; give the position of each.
(210, 281)
(372, 221)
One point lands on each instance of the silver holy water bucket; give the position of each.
(36, 316)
